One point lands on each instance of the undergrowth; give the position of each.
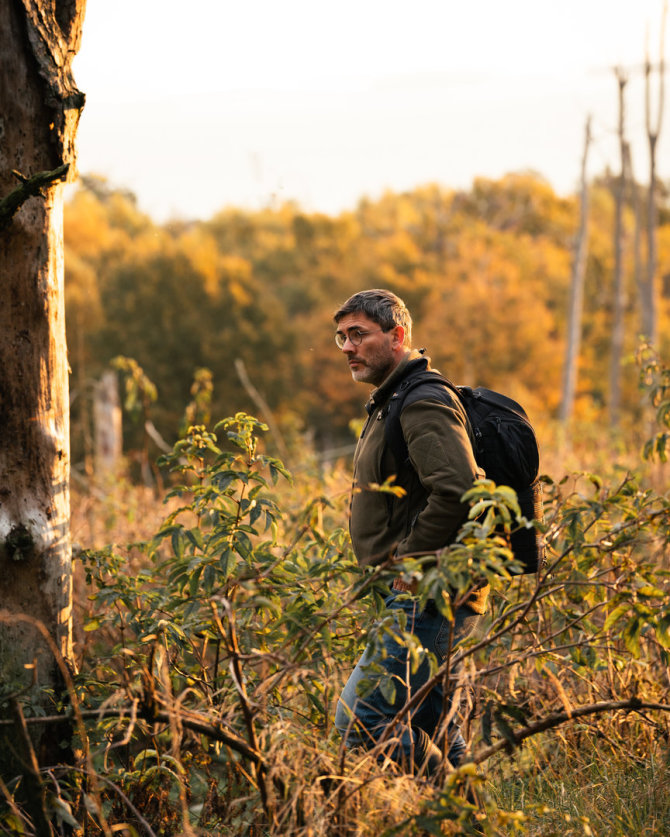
(215, 645)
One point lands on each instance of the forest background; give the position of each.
(485, 271)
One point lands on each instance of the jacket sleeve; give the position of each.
(441, 453)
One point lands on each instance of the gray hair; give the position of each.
(383, 307)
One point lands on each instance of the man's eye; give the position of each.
(357, 333)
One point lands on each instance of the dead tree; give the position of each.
(648, 291)
(576, 291)
(38, 122)
(619, 306)
(635, 200)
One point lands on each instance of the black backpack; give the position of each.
(505, 447)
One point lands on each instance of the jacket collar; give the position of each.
(414, 361)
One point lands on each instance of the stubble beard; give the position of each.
(372, 373)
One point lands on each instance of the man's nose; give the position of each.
(351, 348)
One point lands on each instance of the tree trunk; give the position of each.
(576, 292)
(649, 291)
(107, 420)
(38, 123)
(636, 204)
(619, 285)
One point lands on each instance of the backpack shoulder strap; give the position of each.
(413, 388)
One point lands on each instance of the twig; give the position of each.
(36, 791)
(483, 673)
(230, 638)
(28, 188)
(127, 801)
(264, 408)
(9, 799)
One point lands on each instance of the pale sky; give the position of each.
(203, 104)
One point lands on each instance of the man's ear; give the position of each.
(398, 336)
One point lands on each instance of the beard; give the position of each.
(373, 370)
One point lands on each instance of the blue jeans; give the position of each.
(362, 721)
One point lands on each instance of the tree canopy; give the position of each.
(485, 271)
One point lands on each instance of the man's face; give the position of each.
(378, 352)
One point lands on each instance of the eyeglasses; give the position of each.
(354, 336)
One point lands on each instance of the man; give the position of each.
(374, 331)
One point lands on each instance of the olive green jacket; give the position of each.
(439, 442)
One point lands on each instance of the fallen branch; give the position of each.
(193, 721)
(514, 739)
(28, 188)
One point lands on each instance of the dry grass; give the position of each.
(575, 786)
(606, 778)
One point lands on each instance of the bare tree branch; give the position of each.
(516, 738)
(28, 188)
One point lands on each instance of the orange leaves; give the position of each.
(485, 273)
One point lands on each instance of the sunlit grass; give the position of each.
(609, 776)
(584, 788)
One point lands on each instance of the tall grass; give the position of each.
(218, 628)
(587, 786)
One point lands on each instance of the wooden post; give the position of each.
(107, 421)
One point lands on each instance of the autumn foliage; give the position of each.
(485, 272)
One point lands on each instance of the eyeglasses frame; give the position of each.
(363, 334)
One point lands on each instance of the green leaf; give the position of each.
(195, 537)
(317, 702)
(208, 579)
(631, 636)
(178, 542)
(617, 614)
(596, 481)
(194, 581)
(663, 631)
(650, 592)
(388, 689)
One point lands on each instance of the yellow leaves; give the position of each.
(240, 291)
(81, 291)
(485, 272)
(104, 225)
(201, 249)
(387, 487)
(87, 227)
